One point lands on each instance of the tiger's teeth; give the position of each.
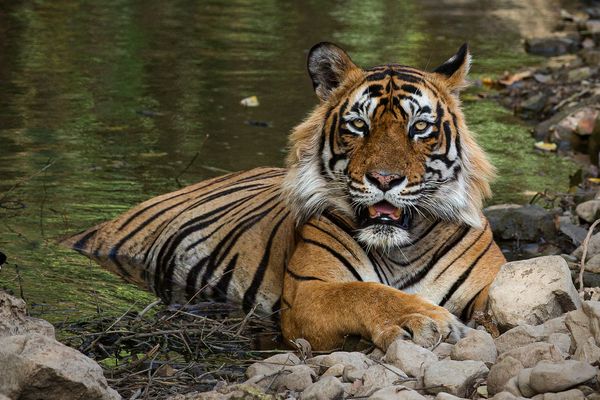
(372, 212)
(397, 214)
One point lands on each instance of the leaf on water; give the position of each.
(545, 146)
(595, 181)
(251, 101)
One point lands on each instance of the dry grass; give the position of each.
(166, 350)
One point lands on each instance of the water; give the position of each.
(105, 104)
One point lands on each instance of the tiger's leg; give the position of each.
(322, 304)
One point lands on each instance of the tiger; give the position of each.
(373, 228)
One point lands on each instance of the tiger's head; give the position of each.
(387, 146)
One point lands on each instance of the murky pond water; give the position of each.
(105, 104)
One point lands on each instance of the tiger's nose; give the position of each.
(384, 180)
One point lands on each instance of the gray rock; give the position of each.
(592, 310)
(358, 360)
(512, 387)
(454, 377)
(501, 373)
(296, 378)
(383, 375)
(526, 223)
(593, 264)
(523, 382)
(39, 367)
(336, 370)
(589, 211)
(352, 373)
(593, 248)
(14, 319)
(326, 388)
(533, 353)
(555, 44)
(504, 396)
(572, 394)
(409, 357)
(556, 377)
(443, 350)
(396, 393)
(446, 396)
(585, 347)
(562, 341)
(272, 364)
(532, 292)
(476, 345)
(591, 56)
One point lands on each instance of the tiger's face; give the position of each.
(388, 147)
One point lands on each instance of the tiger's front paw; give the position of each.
(426, 328)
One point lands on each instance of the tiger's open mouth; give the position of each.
(384, 213)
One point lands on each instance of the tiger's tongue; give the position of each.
(384, 208)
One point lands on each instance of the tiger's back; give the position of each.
(225, 239)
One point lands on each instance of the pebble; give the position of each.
(352, 373)
(556, 377)
(454, 377)
(409, 357)
(382, 375)
(326, 388)
(476, 345)
(446, 396)
(396, 393)
(325, 361)
(272, 364)
(589, 210)
(336, 370)
(523, 383)
(572, 394)
(501, 372)
(533, 353)
(532, 292)
(443, 350)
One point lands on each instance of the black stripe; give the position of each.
(337, 255)
(465, 274)
(250, 295)
(302, 277)
(80, 244)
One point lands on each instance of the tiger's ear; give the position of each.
(328, 65)
(454, 71)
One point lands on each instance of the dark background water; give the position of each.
(105, 104)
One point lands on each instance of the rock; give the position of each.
(352, 373)
(555, 44)
(42, 368)
(14, 319)
(589, 211)
(562, 341)
(295, 378)
(336, 370)
(593, 264)
(591, 56)
(358, 360)
(592, 310)
(556, 377)
(512, 387)
(501, 373)
(383, 375)
(585, 347)
(446, 396)
(575, 232)
(523, 383)
(326, 388)
(579, 74)
(526, 223)
(443, 350)
(526, 334)
(454, 377)
(534, 103)
(532, 292)
(476, 345)
(533, 353)
(592, 26)
(272, 364)
(409, 357)
(572, 394)
(504, 396)
(593, 248)
(396, 393)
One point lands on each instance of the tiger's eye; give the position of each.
(421, 125)
(358, 123)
